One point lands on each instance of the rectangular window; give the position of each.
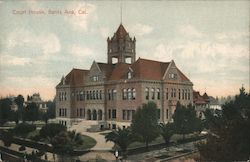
(80, 112)
(124, 114)
(183, 94)
(128, 114)
(113, 113)
(124, 94)
(179, 94)
(87, 95)
(100, 94)
(109, 94)
(167, 94)
(167, 114)
(159, 113)
(158, 93)
(109, 114)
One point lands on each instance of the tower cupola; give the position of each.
(121, 47)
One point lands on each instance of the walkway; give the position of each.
(101, 144)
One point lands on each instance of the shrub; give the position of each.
(23, 129)
(51, 130)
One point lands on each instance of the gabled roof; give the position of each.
(149, 69)
(119, 71)
(182, 76)
(106, 68)
(142, 69)
(75, 77)
(198, 99)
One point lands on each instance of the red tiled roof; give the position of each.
(149, 69)
(75, 77)
(119, 71)
(106, 68)
(142, 69)
(198, 99)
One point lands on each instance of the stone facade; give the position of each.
(109, 93)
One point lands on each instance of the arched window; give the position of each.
(153, 93)
(146, 93)
(97, 94)
(167, 94)
(81, 95)
(94, 95)
(65, 96)
(174, 92)
(129, 75)
(94, 115)
(88, 114)
(124, 94)
(100, 95)
(158, 93)
(133, 94)
(109, 94)
(114, 94)
(99, 114)
(87, 95)
(90, 95)
(129, 94)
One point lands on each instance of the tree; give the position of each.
(185, 119)
(65, 142)
(23, 129)
(51, 130)
(229, 134)
(51, 113)
(7, 138)
(121, 137)
(145, 122)
(166, 131)
(19, 100)
(5, 110)
(31, 112)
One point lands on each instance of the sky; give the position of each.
(208, 40)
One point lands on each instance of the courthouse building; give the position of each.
(108, 94)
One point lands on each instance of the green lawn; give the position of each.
(159, 140)
(104, 133)
(88, 142)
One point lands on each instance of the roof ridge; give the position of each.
(152, 60)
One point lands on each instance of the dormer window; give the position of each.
(129, 75)
(95, 78)
(172, 76)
